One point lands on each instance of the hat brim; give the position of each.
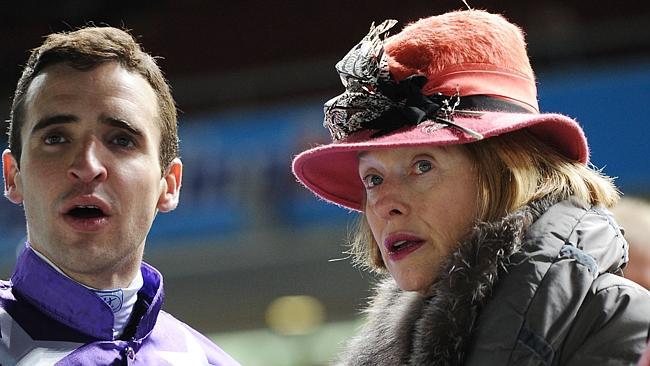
(331, 171)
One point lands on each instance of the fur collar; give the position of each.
(405, 328)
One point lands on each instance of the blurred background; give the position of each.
(250, 258)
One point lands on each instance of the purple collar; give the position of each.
(76, 306)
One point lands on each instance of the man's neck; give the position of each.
(93, 281)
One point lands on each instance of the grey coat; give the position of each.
(539, 287)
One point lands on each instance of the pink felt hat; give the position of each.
(450, 79)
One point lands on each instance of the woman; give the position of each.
(482, 210)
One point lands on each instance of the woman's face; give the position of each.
(420, 202)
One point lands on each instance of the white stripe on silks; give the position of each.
(193, 356)
(18, 348)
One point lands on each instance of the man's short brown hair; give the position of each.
(84, 49)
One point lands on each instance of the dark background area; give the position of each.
(222, 55)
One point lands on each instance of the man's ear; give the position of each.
(170, 186)
(11, 173)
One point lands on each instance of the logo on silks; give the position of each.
(112, 298)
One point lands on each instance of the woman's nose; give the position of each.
(88, 165)
(389, 201)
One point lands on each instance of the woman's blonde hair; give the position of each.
(513, 170)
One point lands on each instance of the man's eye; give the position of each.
(54, 139)
(372, 180)
(123, 141)
(422, 166)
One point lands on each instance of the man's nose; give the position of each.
(87, 165)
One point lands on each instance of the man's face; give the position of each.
(89, 175)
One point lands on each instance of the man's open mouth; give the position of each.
(86, 212)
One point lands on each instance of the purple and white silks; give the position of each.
(48, 319)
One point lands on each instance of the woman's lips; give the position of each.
(400, 246)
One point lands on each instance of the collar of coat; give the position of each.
(405, 328)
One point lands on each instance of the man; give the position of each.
(634, 216)
(93, 156)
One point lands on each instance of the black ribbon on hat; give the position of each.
(412, 107)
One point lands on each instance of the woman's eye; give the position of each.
(54, 139)
(372, 180)
(422, 166)
(123, 141)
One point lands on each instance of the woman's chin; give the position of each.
(419, 284)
